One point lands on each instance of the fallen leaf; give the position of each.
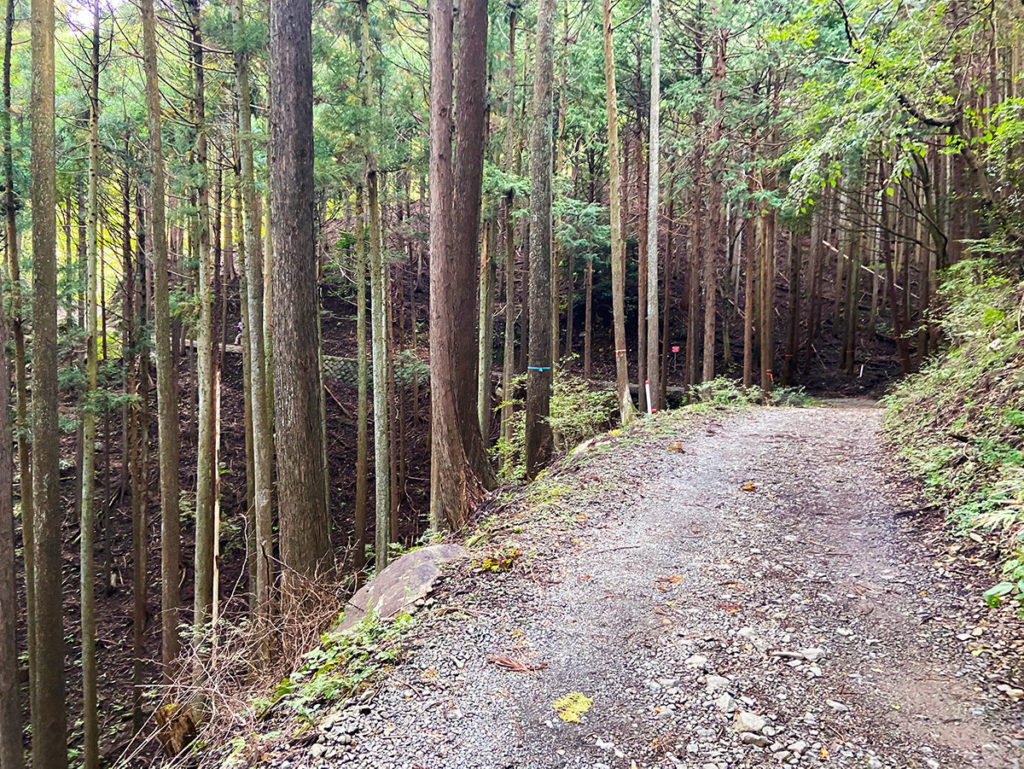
(674, 579)
(516, 666)
(572, 706)
(749, 486)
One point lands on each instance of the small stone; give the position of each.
(726, 703)
(696, 661)
(749, 738)
(813, 654)
(715, 683)
(749, 722)
(837, 706)
(797, 747)
(874, 763)
(316, 750)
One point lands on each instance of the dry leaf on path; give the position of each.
(516, 666)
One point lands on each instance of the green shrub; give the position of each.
(959, 422)
(578, 412)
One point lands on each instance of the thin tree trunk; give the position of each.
(87, 531)
(252, 327)
(23, 425)
(167, 406)
(11, 749)
(713, 252)
(508, 360)
(539, 439)
(362, 384)
(618, 245)
(654, 150)
(748, 301)
(694, 264)
(485, 354)
(789, 365)
(206, 452)
(381, 415)
(135, 266)
(588, 319)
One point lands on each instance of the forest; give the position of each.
(290, 288)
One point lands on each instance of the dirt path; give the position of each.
(739, 594)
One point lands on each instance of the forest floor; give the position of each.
(735, 589)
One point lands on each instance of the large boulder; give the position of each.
(405, 581)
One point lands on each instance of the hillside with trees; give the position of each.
(290, 289)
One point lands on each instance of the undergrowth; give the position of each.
(959, 422)
(578, 412)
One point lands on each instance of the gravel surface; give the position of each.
(713, 592)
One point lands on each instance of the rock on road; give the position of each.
(719, 592)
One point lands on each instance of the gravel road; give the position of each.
(742, 590)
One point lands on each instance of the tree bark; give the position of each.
(485, 353)
(23, 427)
(381, 415)
(459, 464)
(11, 750)
(49, 748)
(252, 328)
(206, 451)
(303, 517)
(508, 361)
(539, 441)
(87, 531)
(167, 406)
(618, 245)
(654, 150)
(362, 387)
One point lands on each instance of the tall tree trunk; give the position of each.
(303, 518)
(167, 406)
(508, 360)
(362, 387)
(87, 570)
(11, 750)
(206, 451)
(49, 746)
(713, 252)
(538, 379)
(670, 259)
(748, 299)
(654, 149)
(789, 365)
(819, 227)
(381, 415)
(251, 549)
(693, 271)
(485, 354)
(767, 309)
(138, 433)
(252, 328)
(23, 427)
(457, 451)
(618, 244)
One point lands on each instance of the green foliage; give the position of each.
(344, 664)
(959, 423)
(723, 391)
(578, 412)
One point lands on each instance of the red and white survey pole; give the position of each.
(647, 384)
